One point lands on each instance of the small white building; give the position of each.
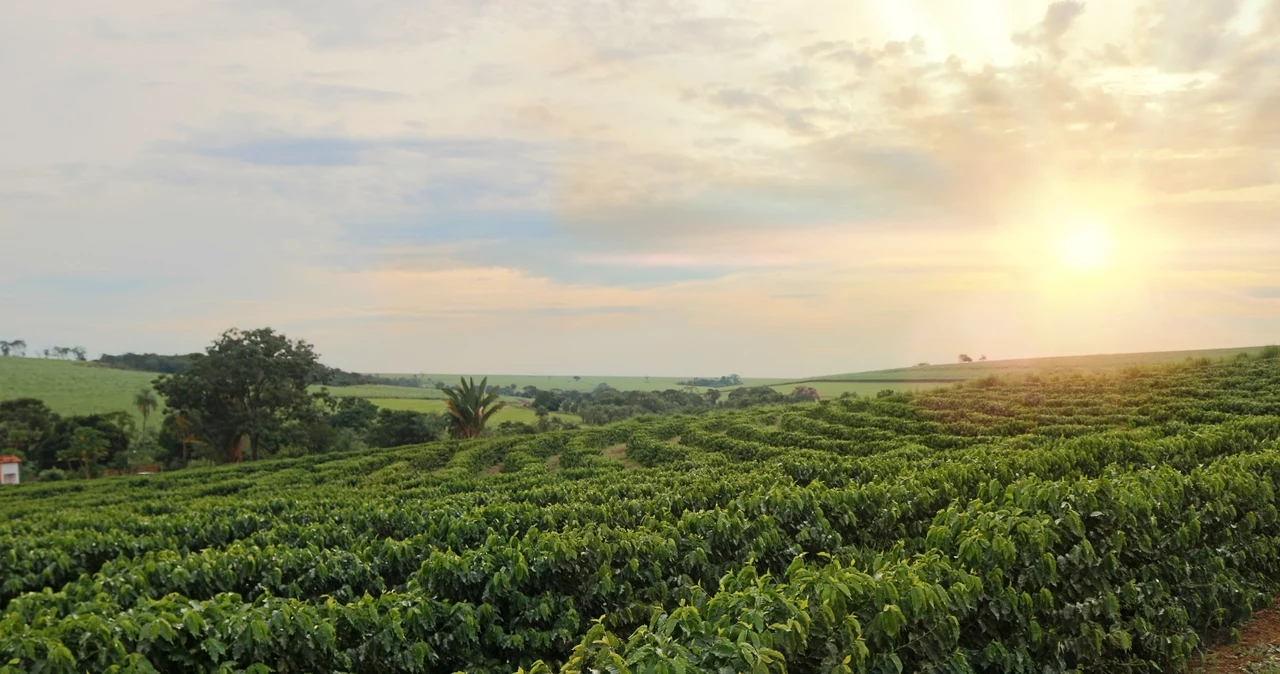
(9, 469)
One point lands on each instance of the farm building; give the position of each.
(9, 469)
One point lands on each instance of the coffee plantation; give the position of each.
(1074, 523)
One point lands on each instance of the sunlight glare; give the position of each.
(1085, 247)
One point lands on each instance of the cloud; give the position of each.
(346, 151)
(1058, 18)
(603, 186)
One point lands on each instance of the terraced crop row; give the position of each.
(1076, 523)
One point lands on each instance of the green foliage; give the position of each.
(246, 386)
(753, 396)
(52, 475)
(1073, 523)
(147, 362)
(713, 382)
(357, 414)
(87, 447)
(470, 406)
(394, 428)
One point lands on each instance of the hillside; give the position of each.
(1079, 522)
(1048, 365)
(70, 387)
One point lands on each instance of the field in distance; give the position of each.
(584, 383)
(70, 387)
(432, 406)
(1099, 363)
(925, 377)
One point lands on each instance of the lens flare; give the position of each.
(1085, 248)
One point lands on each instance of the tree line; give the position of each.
(18, 348)
(605, 405)
(172, 364)
(710, 382)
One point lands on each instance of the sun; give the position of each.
(1085, 247)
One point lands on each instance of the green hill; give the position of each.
(1048, 365)
(70, 387)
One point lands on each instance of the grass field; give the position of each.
(508, 413)
(72, 388)
(379, 391)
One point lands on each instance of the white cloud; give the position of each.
(672, 186)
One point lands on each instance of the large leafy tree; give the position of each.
(470, 406)
(246, 387)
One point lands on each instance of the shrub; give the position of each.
(52, 475)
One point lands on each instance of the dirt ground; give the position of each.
(1257, 652)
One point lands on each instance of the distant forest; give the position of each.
(155, 362)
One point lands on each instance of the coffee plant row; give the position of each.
(1074, 523)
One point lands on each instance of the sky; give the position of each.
(645, 187)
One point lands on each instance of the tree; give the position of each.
(78, 352)
(25, 424)
(358, 414)
(246, 386)
(548, 400)
(146, 403)
(115, 428)
(88, 446)
(753, 396)
(982, 357)
(805, 394)
(395, 428)
(470, 407)
(177, 436)
(964, 358)
(142, 451)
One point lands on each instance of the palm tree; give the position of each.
(471, 406)
(146, 402)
